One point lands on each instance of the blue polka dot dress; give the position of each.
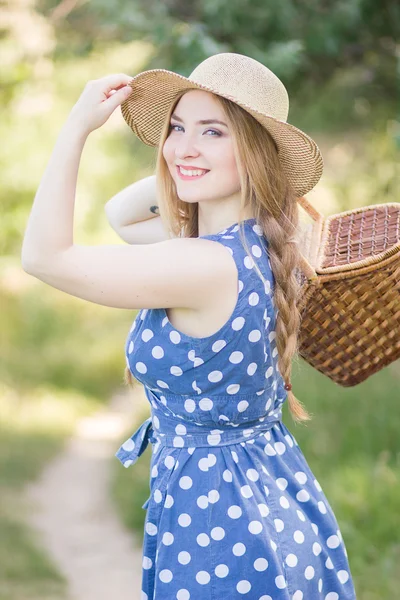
(234, 510)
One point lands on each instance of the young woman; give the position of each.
(234, 509)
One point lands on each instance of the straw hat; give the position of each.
(246, 82)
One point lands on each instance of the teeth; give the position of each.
(191, 173)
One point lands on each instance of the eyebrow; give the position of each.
(203, 122)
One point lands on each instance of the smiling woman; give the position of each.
(221, 453)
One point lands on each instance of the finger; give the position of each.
(118, 97)
(115, 81)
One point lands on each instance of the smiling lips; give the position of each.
(199, 173)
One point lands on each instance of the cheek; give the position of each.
(168, 151)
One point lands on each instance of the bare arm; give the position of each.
(133, 213)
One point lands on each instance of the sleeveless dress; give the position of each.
(234, 510)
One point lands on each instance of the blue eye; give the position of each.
(171, 127)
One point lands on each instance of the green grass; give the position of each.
(351, 445)
(60, 359)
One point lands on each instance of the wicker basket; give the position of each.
(350, 294)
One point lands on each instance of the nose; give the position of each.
(186, 146)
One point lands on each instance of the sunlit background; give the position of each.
(62, 359)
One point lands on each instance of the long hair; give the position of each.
(267, 191)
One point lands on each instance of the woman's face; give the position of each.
(195, 145)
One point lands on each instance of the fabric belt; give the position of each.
(168, 430)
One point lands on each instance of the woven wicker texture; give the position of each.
(243, 80)
(350, 294)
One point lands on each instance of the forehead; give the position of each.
(199, 101)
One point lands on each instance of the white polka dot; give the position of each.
(147, 563)
(236, 357)
(282, 483)
(333, 541)
(221, 570)
(329, 563)
(289, 440)
(248, 262)
(168, 501)
(213, 496)
(190, 405)
(218, 345)
(320, 584)
(256, 250)
(203, 539)
(185, 482)
(298, 595)
(280, 447)
(301, 477)
(309, 572)
(238, 323)
(175, 370)
(184, 557)
(203, 577)
(264, 510)
(279, 525)
(317, 485)
(184, 520)
(166, 575)
(203, 464)
(182, 594)
(343, 576)
(252, 474)
(303, 496)
(234, 511)
(269, 372)
(246, 491)
(206, 404)
(202, 501)
(180, 429)
(322, 507)
(332, 596)
(284, 502)
(141, 367)
(315, 528)
(280, 582)
(298, 536)
(214, 439)
(300, 515)
(239, 549)
(255, 527)
(157, 496)
(316, 548)
(254, 335)
(252, 368)
(168, 538)
(227, 476)
(217, 533)
(151, 528)
(242, 405)
(169, 461)
(147, 334)
(233, 389)
(268, 449)
(235, 456)
(291, 560)
(243, 586)
(162, 383)
(260, 564)
(175, 337)
(178, 442)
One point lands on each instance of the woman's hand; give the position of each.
(98, 101)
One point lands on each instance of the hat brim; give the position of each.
(146, 109)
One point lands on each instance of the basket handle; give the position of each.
(305, 263)
(309, 208)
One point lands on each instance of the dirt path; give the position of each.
(72, 511)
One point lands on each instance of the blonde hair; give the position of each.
(266, 190)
